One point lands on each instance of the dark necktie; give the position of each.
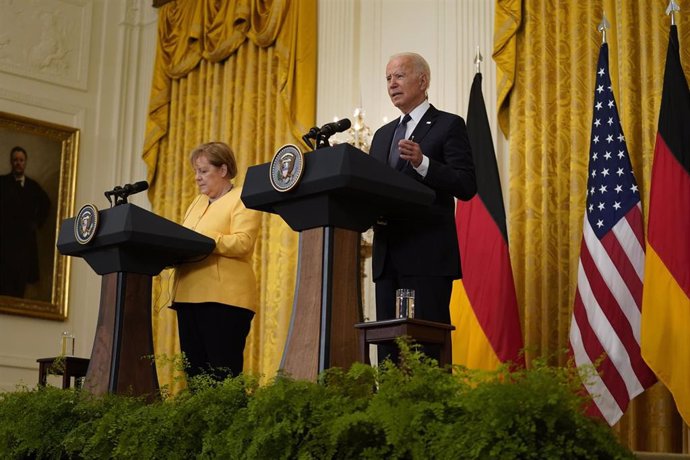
(394, 154)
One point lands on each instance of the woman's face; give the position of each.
(211, 180)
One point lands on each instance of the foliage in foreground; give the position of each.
(414, 411)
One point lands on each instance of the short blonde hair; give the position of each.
(218, 154)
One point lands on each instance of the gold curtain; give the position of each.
(242, 72)
(546, 54)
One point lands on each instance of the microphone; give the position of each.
(131, 189)
(339, 126)
(122, 192)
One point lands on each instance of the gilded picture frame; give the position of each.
(51, 152)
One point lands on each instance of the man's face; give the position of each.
(18, 161)
(405, 88)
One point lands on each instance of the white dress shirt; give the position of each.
(416, 115)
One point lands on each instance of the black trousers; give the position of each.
(212, 337)
(432, 303)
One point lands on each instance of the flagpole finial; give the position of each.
(478, 59)
(603, 26)
(671, 9)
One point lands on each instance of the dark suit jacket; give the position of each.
(22, 211)
(427, 243)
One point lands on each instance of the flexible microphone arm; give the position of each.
(122, 192)
(312, 134)
(322, 134)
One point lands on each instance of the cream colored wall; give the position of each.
(103, 90)
(98, 81)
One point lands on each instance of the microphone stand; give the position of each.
(312, 134)
(306, 140)
(321, 138)
(120, 196)
(322, 141)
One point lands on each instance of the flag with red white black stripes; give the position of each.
(605, 327)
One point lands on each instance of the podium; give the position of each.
(342, 193)
(131, 245)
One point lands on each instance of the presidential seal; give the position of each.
(286, 168)
(86, 224)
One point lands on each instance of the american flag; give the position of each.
(605, 328)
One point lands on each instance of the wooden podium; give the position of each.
(131, 245)
(342, 193)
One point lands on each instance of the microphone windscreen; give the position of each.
(140, 186)
(343, 124)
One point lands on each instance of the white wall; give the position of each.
(101, 86)
(356, 38)
(97, 81)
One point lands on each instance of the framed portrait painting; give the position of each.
(38, 164)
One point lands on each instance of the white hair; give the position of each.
(419, 64)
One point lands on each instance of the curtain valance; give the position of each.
(214, 30)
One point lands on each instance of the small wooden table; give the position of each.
(421, 331)
(67, 366)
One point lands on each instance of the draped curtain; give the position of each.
(546, 54)
(242, 72)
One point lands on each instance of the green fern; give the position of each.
(414, 410)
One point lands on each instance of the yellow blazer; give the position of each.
(226, 275)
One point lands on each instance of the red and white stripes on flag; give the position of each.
(605, 328)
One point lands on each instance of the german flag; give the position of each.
(483, 304)
(666, 296)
